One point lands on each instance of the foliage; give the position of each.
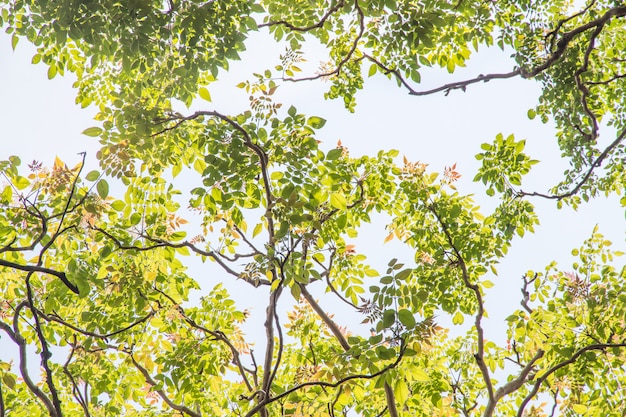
(99, 288)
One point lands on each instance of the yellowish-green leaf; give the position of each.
(458, 318)
(338, 201)
(204, 94)
(92, 131)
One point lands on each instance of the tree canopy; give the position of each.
(97, 268)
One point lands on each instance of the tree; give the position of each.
(96, 288)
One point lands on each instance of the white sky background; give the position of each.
(39, 120)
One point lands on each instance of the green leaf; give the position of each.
(204, 94)
(334, 154)
(103, 188)
(338, 201)
(118, 205)
(419, 375)
(389, 318)
(92, 131)
(406, 318)
(401, 391)
(404, 274)
(316, 122)
(9, 380)
(92, 176)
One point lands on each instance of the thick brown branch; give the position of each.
(36, 268)
(391, 402)
(325, 318)
(513, 385)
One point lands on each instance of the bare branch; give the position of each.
(526, 293)
(325, 318)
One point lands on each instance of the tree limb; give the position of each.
(35, 268)
(544, 376)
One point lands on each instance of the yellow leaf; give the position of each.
(58, 163)
(389, 237)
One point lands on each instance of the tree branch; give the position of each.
(317, 25)
(345, 59)
(480, 351)
(553, 369)
(14, 334)
(335, 384)
(597, 163)
(35, 268)
(45, 354)
(162, 394)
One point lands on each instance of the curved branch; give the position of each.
(480, 351)
(56, 318)
(15, 335)
(553, 369)
(35, 268)
(561, 47)
(348, 56)
(45, 354)
(335, 384)
(447, 88)
(597, 163)
(160, 243)
(162, 394)
(317, 25)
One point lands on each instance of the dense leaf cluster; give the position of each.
(100, 291)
